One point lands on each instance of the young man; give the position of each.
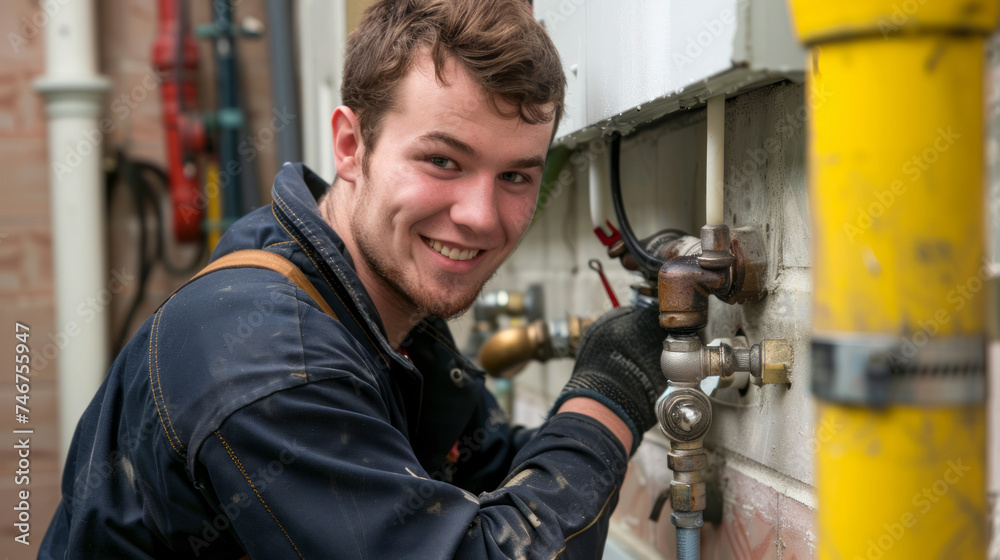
(244, 420)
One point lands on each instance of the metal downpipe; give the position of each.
(895, 97)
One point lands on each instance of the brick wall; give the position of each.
(126, 31)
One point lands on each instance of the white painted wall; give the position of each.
(663, 186)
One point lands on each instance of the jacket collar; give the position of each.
(444, 378)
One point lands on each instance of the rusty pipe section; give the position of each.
(684, 290)
(732, 266)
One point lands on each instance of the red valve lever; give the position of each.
(607, 240)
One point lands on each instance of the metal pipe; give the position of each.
(73, 90)
(507, 352)
(283, 80)
(896, 162)
(230, 115)
(714, 159)
(689, 543)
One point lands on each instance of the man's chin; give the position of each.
(447, 306)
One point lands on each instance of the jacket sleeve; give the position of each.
(317, 471)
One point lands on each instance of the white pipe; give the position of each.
(321, 35)
(600, 193)
(714, 169)
(72, 91)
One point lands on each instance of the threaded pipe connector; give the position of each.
(742, 359)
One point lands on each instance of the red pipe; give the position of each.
(185, 132)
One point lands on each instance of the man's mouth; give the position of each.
(452, 253)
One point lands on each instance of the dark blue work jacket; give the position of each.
(243, 420)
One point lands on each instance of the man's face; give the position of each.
(450, 189)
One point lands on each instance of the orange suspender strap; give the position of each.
(256, 258)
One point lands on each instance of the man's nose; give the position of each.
(475, 206)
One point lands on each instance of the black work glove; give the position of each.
(618, 365)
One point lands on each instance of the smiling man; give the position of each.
(261, 415)
(442, 198)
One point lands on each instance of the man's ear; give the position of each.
(347, 148)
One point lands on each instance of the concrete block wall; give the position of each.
(761, 443)
(126, 31)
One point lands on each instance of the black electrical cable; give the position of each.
(142, 178)
(125, 171)
(154, 196)
(646, 261)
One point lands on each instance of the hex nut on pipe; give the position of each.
(687, 496)
(687, 463)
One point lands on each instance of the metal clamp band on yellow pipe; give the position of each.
(895, 159)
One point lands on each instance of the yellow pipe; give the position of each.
(214, 210)
(896, 178)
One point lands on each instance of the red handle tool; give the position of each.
(596, 265)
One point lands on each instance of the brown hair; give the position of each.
(497, 41)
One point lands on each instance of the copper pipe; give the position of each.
(507, 352)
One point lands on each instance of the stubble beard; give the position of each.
(391, 277)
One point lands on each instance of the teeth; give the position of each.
(455, 253)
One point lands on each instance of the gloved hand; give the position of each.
(618, 365)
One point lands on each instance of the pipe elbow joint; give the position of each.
(684, 287)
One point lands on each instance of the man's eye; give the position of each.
(442, 162)
(513, 177)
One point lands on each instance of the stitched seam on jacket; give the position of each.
(589, 525)
(285, 207)
(278, 243)
(239, 465)
(154, 356)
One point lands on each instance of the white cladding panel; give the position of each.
(664, 55)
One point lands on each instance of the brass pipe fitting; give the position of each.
(507, 352)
